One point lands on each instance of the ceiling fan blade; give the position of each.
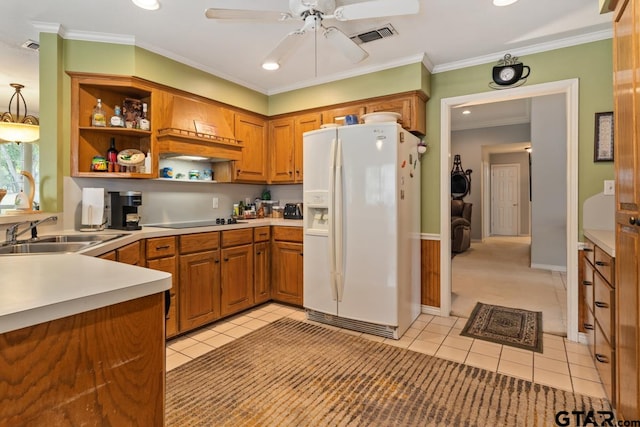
(246, 15)
(376, 9)
(284, 49)
(344, 44)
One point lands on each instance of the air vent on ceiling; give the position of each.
(375, 34)
(31, 44)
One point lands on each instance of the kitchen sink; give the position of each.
(44, 247)
(60, 243)
(73, 238)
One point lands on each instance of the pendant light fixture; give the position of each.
(17, 128)
(147, 4)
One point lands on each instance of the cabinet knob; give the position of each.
(158, 248)
(226, 259)
(301, 254)
(602, 358)
(588, 326)
(297, 172)
(587, 283)
(217, 261)
(601, 263)
(290, 173)
(239, 171)
(258, 253)
(588, 250)
(601, 304)
(634, 221)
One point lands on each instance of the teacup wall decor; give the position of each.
(509, 73)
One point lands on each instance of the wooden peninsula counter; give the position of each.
(82, 342)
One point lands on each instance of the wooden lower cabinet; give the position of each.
(236, 279)
(199, 296)
(132, 253)
(287, 272)
(161, 255)
(261, 272)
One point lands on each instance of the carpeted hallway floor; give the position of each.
(497, 272)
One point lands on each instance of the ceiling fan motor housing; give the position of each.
(301, 7)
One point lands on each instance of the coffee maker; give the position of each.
(124, 209)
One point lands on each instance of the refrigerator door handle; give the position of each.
(338, 217)
(332, 216)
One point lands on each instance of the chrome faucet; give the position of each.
(12, 231)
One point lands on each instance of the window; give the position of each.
(15, 158)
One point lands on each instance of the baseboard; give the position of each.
(582, 338)
(561, 268)
(435, 311)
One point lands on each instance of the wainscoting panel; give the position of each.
(430, 271)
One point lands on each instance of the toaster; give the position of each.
(292, 211)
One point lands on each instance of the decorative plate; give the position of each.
(130, 157)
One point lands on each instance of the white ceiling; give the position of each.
(446, 34)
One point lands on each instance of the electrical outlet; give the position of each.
(215, 203)
(609, 187)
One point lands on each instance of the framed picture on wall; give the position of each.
(603, 146)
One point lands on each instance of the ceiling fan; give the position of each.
(312, 13)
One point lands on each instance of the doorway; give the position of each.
(569, 88)
(505, 199)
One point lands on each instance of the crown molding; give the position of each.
(528, 50)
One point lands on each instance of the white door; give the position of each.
(505, 199)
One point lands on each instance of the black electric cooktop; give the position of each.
(190, 224)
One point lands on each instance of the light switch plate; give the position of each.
(609, 187)
(215, 203)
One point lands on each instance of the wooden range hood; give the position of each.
(190, 127)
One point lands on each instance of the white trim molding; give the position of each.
(429, 236)
(570, 89)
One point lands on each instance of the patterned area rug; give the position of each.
(505, 325)
(292, 373)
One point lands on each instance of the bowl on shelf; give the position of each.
(3, 192)
(381, 116)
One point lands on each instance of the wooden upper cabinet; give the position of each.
(303, 124)
(411, 107)
(337, 115)
(281, 141)
(252, 131)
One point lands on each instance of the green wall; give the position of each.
(394, 80)
(591, 63)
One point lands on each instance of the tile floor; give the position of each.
(564, 364)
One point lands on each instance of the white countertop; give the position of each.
(40, 288)
(604, 239)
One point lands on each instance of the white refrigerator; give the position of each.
(362, 227)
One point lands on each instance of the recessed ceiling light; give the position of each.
(270, 65)
(503, 2)
(466, 112)
(147, 4)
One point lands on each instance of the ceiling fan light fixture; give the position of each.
(270, 65)
(147, 4)
(503, 2)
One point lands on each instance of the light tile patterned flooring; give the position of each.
(564, 364)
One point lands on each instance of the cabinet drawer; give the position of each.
(261, 234)
(587, 284)
(603, 306)
(199, 242)
(589, 329)
(287, 234)
(604, 264)
(243, 236)
(159, 247)
(588, 249)
(133, 253)
(605, 361)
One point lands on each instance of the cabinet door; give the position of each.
(252, 131)
(337, 115)
(111, 256)
(626, 67)
(169, 265)
(261, 272)
(303, 124)
(236, 279)
(401, 106)
(199, 289)
(132, 253)
(281, 140)
(287, 272)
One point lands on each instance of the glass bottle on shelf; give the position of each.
(112, 157)
(98, 118)
(143, 121)
(117, 121)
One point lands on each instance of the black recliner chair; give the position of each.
(460, 225)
